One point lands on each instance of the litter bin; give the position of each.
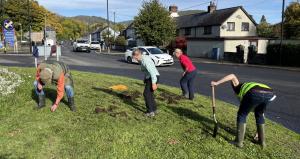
(216, 54)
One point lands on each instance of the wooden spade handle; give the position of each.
(213, 97)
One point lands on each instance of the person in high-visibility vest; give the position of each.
(252, 96)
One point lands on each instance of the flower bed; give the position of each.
(9, 81)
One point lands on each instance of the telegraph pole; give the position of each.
(281, 32)
(108, 43)
(115, 26)
(29, 16)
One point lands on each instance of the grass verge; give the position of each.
(182, 129)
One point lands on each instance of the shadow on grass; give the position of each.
(127, 98)
(206, 122)
(50, 94)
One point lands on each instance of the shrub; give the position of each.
(290, 55)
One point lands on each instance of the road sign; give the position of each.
(9, 32)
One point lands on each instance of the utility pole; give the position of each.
(281, 32)
(114, 26)
(1, 21)
(108, 43)
(29, 16)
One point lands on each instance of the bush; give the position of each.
(290, 55)
(120, 40)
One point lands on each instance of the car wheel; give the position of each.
(129, 60)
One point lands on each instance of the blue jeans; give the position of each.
(68, 89)
(187, 84)
(254, 101)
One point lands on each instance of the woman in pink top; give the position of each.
(188, 76)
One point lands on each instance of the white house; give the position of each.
(224, 29)
(100, 32)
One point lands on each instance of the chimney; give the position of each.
(173, 9)
(212, 7)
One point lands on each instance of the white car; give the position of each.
(81, 45)
(158, 56)
(95, 45)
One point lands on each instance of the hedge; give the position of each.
(290, 55)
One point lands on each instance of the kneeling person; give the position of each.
(150, 80)
(54, 72)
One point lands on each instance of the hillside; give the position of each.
(89, 19)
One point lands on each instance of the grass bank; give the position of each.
(182, 129)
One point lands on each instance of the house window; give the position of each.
(245, 26)
(187, 31)
(207, 30)
(230, 26)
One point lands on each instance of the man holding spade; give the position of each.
(151, 80)
(252, 96)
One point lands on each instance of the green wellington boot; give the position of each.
(41, 101)
(72, 104)
(241, 129)
(261, 135)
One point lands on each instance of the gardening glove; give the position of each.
(54, 107)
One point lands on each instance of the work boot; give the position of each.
(41, 101)
(261, 135)
(72, 104)
(241, 129)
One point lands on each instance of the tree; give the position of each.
(264, 29)
(154, 24)
(292, 21)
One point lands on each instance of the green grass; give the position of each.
(182, 129)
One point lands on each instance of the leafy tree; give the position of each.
(154, 24)
(264, 29)
(292, 21)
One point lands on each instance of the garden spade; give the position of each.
(214, 112)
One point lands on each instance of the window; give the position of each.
(155, 51)
(207, 30)
(187, 31)
(230, 26)
(245, 26)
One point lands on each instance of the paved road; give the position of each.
(285, 110)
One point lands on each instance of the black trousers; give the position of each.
(149, 95)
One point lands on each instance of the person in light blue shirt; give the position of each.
(151, 80)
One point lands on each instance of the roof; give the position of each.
(216, 18)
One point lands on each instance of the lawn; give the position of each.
(182, 128)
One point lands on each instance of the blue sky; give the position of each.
(127, 9)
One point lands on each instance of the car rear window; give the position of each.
(82, 41)
(95, 42)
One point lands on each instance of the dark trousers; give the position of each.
(187, 84)
(254, 101)
(149, 95)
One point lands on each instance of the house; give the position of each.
(100, 32)
(38, 37)
(225, 29)
(131, 37)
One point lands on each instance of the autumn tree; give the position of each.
(292, 21)
(154, 24)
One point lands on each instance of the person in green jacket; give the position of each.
(252, 96)
(151, 80)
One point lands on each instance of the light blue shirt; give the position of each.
(148, 67)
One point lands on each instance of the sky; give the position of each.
(127, 9)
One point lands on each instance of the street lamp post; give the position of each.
(29, 16)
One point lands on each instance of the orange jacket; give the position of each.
(60, 83)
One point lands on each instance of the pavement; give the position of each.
(285, 81)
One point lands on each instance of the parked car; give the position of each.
(157, 55)
(81, 45)
(95, 45)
